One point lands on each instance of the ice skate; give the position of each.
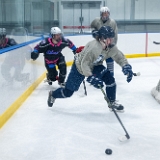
(62, 84)
(117, 107)
(51, 99)
(48, 80)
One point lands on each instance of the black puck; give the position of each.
(108, 151)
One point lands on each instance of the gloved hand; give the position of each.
(34, 55)
(127, 70)
(78, 50)
(96, 82)
(98, 60)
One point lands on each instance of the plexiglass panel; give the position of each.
(17, 73)
(75, 16)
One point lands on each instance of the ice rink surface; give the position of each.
(82, 127)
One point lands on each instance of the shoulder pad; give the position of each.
(112, 20)
(94, 22)
(44, 42)
(64, 39)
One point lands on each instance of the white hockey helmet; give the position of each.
(55, 30)
(104, 9)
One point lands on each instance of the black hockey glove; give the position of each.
(96, 82)
(127, 70)
(34, 55)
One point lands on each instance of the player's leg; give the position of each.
(51, 74)
(61, 63)
(110, 65)
(105, 75)
(73, 83)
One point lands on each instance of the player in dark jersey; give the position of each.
(4, 41)
(13, 60)
(51, 48)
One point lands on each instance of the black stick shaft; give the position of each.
(85, 90)
(106, 98)
(134, 74)
(156, 42)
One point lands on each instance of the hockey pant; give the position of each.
(75, 79)
(108, 79)
(53, 73)
(72, 84)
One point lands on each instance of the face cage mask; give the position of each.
(105, 18)
(104, 44)
(59, 39)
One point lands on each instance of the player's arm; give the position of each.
(94, 24)
(126, 67)
(115, 28)
(40, 48)
(87, 61)
(118, 56)
(67, 42)
(116, 33)
(94, 28)
(71, 46)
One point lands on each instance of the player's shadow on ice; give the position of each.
(48, 87)
(95, 117)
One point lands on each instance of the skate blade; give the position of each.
(120, 111)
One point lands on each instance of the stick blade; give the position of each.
(123, 138)
(138, 73)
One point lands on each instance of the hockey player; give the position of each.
(4, 41)
(89, 63)
(105, 20)
(52, 47)
(12, 60)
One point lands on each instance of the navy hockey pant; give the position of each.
(108, 79)
(72, 84)
(75, 79)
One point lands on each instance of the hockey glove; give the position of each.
(127, 70)
(98, 60)
(96, 82)
(78, 50)
(34, 55)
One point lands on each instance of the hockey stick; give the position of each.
(156, 42)
(85, 90)
(137, 74)
(122, 138)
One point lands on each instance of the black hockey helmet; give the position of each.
(106, 32)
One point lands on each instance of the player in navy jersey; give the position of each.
(51, 48)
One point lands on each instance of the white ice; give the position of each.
(82, 127)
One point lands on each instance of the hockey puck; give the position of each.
(108, 151)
